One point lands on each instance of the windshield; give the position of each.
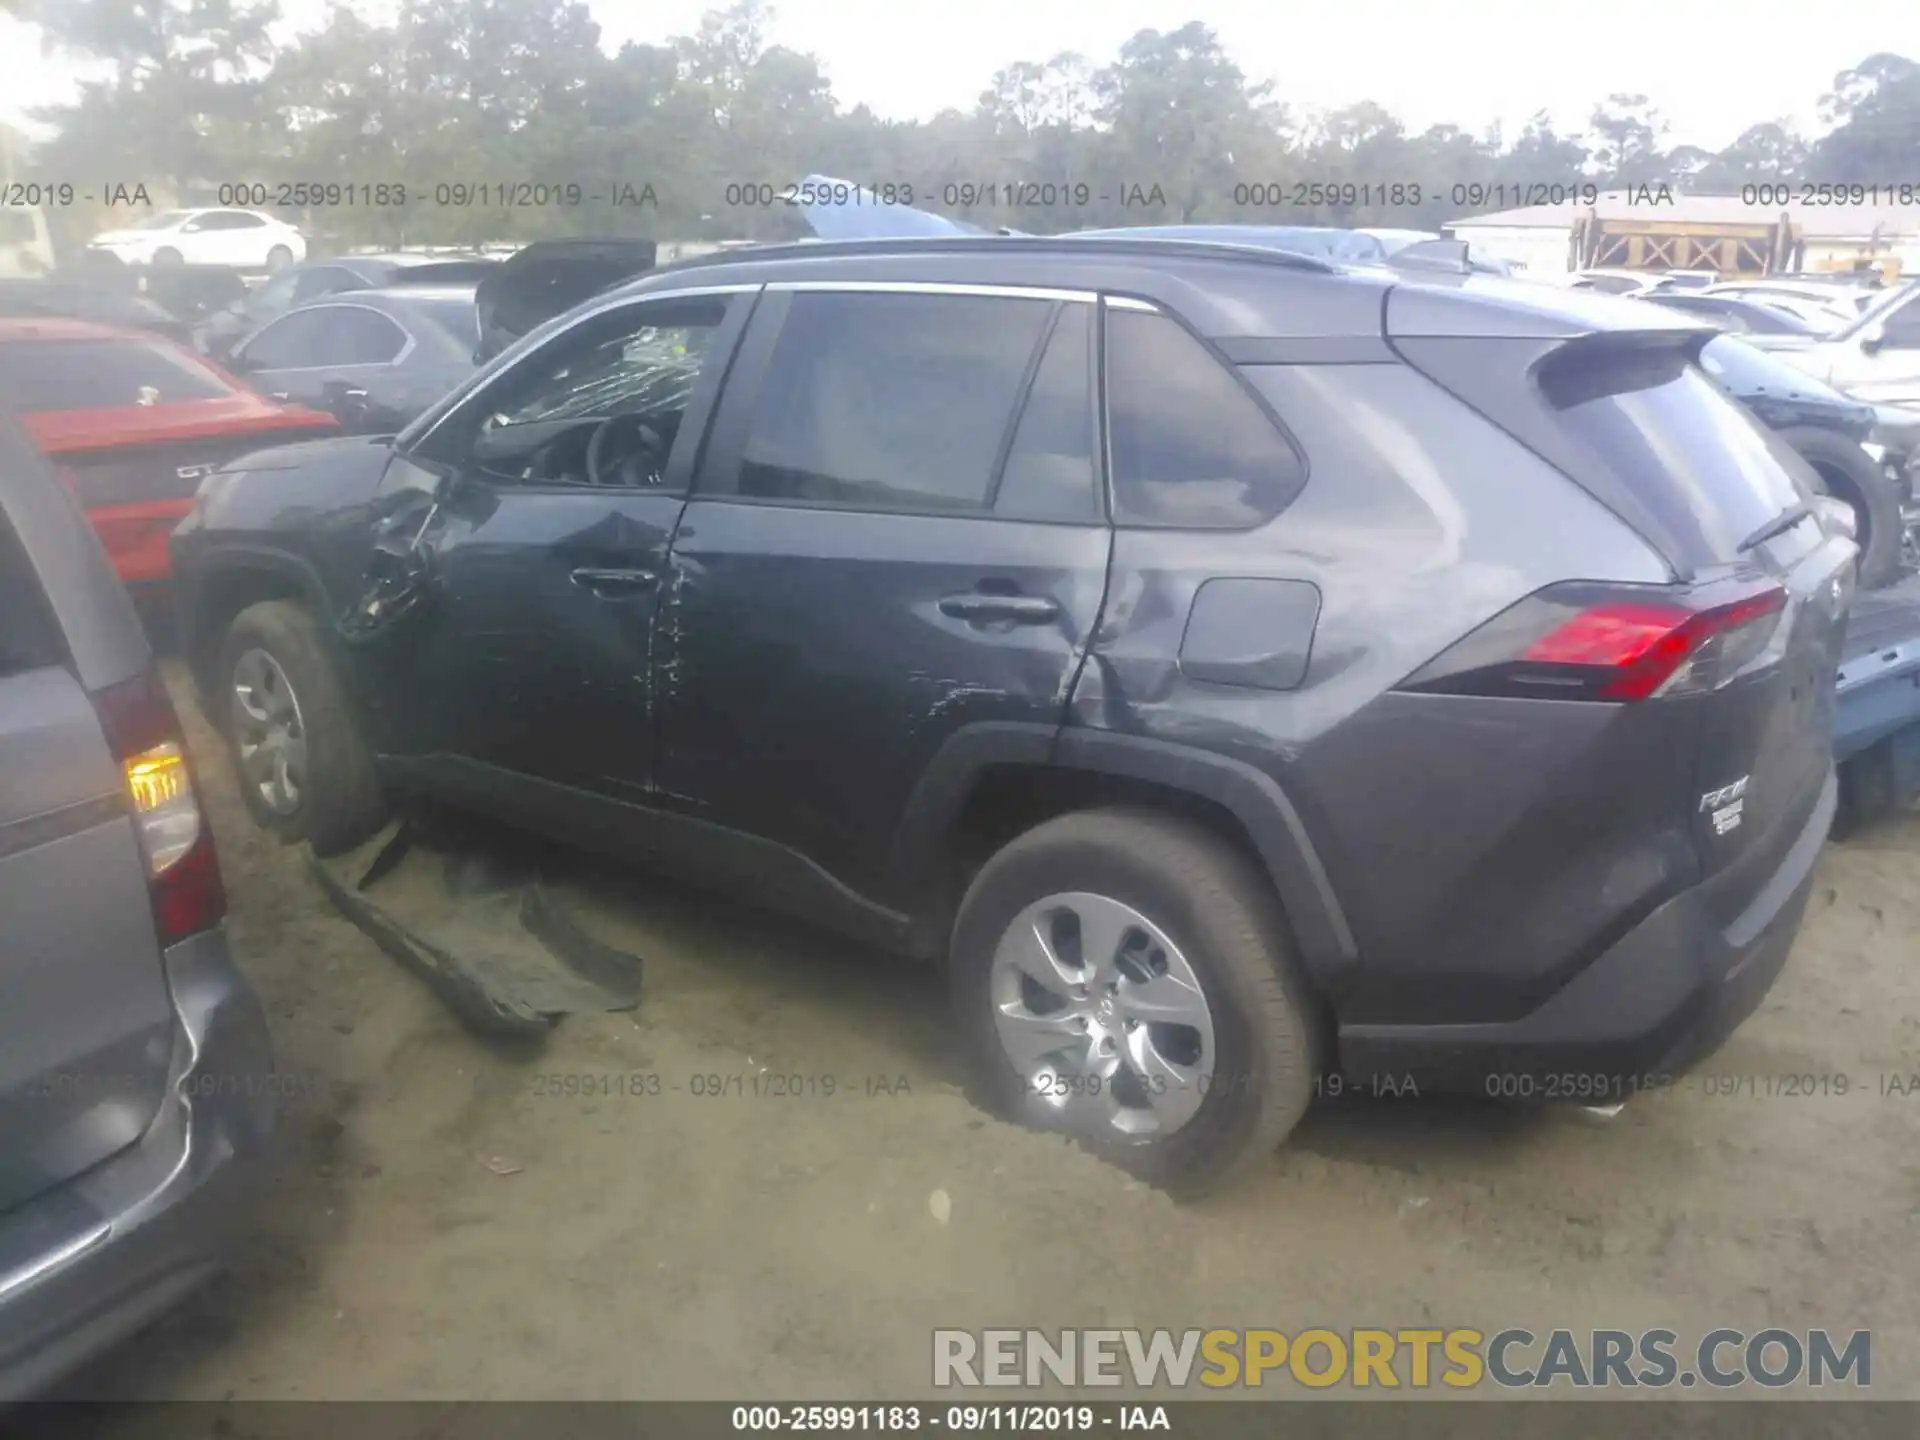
(1881, 305)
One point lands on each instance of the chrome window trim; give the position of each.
(939, 287)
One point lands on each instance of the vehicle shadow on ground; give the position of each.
(768, 961)
(718, 969)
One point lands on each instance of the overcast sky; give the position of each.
(1712, 66)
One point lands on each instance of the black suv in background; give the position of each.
(1233, 666)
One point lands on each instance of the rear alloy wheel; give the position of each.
(304, 771)
(1104, 1015)
(1126, 977)
(278, 258)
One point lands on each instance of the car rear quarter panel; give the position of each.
(1419, 521)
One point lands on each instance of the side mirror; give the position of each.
(1873, 339)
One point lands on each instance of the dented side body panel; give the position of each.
(808, 675)
(1419, 520)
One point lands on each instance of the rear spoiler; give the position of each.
(549, 278)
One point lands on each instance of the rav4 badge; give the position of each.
(1724, 806)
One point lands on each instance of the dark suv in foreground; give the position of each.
(1235, 667)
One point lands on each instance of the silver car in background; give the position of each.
(135, 1074)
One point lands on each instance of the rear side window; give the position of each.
(890, 402)
(1192, 449)
(1705, 469)
(38, 375)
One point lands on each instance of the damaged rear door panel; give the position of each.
(897, 534)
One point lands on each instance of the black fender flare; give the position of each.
(221, 563)
(1251, 796)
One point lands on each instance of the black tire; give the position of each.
(1217, 906)
(168, 258)
(341, 804)
(278, 258)
(1846, 472)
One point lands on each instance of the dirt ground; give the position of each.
(443, 1225)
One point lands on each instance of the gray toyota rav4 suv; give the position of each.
(1237, 668)
(134, 1069)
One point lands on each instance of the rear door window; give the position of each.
(326, 336)
(1050, 472)
(1192, 448)
(287, 344)
(1705, 468)
(39, 375)
(891, 402)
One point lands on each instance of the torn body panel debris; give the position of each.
(498, 946)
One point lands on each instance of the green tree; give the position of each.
(1762, 154)
(1175, 111)
(1627, 134)
(1875, 112)
(185, 94)
(1541, 155)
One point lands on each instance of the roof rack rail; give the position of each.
(1008, 244)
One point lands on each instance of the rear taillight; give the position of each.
(1584, 642)
(183, 873)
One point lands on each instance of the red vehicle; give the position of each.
(133, 422)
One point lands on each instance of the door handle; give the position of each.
(278, 395)
(976, 606)
(611, 583)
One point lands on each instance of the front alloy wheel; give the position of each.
(269, 733)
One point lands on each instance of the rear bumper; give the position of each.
(85, 1265)
(1660, 1000)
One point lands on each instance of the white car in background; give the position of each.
(1877, 357)
(1812, 300)
(238, 239)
